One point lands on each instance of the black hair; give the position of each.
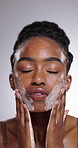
(44, 29)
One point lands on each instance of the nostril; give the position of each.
(38, 78)
(38, 84)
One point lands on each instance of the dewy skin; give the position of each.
(49, 100)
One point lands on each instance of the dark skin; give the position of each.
(44, 137)
(42, 67)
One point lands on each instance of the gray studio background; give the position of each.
(14, 14)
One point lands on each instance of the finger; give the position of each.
(25, 122)
(22, 110)
(63, 104)
(19, 103)
(61, 99)
(65, 115)
(27, 115)
(17, 109)
(59, 108)
(22, 115)
(28, 127)
(52, 120)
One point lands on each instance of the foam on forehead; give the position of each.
(16, 58)
(63, 57)
(21, 48)
(17, 54)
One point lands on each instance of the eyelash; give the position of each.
(25, 71)
(52, 72)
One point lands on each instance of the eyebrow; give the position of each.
(26, 59)
(46, 60)
(53, 59)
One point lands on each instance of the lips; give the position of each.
(38, 94)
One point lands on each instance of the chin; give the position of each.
(39, 106)
(39, 110)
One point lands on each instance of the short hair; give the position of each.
(44, 29)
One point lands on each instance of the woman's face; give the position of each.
(40, 73)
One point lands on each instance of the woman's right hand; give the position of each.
(25, 130)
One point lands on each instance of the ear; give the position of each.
(11, 81)
(68, 82)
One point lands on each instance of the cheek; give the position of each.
(26, 81)
(28, 101)
(54, 79)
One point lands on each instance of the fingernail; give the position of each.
(16, 90)
(62, 91)
(58, 107)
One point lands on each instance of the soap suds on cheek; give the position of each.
(19, 85)
(26, 100)
(52, 97)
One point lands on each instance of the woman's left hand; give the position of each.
(55, 129)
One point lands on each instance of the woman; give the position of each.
(40, 64)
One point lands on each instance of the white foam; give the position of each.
(63, 57)
(52, 97)
(26, 100)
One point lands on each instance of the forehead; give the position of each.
(40, 48)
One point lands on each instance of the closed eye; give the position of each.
(26, 71)
(52, 72)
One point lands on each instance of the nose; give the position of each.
(38, 78)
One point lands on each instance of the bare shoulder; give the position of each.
(71, 123)
(71, 132)
(1, 137)
(12, 126)
(11, 129)
(11, 123)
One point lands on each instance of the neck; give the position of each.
(39, 123)
(40, 120)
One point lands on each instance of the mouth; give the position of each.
(38, 94)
